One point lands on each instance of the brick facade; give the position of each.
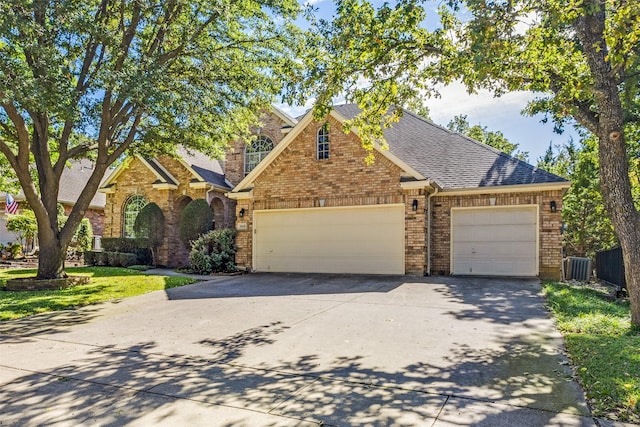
(271, 126)
(296, 179)
(96, 218)
(549, 236)
(138, 179)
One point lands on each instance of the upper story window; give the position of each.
(132, 208)
(257, 151)
(323, 142)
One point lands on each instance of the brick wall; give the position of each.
(296, 179)
(137, 179)
(96, 218)
(271, 126)
(550, 238)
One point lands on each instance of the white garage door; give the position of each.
(499, 241)
(363, 239)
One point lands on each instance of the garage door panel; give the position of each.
(341, 240)
(509, 233)
(495, 241)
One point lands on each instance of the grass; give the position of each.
(603, 346)
(107, 283)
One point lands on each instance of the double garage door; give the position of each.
(356, 239)
(500, 241)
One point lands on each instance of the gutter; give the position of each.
(429, 214)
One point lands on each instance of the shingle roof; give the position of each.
(72, 183)
(209, 169)
(166, 178)
(452, 160)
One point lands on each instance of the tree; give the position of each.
(150, 226)
(100, 78)
(196, 219)
(587, 226)
(23, 225)
(84, 235)
(582, 57)
(495, 139)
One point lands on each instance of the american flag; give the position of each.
(11, 206)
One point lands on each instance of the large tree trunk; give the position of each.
(51, 258)
(608, 125)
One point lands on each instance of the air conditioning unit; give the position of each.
(577, 269)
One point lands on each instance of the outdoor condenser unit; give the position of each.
(578, 269)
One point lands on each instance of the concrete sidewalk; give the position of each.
(285, 349)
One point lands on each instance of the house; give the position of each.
(174, 182)
(303, 200)
(73, 180)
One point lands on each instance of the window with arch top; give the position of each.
(257, 151)
(323, 142)
(132, 208)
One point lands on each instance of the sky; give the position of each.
(497, 114)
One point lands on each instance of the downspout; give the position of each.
(429, 213)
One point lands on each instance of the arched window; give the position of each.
(131, 209)
(257, 151)
(323, 142)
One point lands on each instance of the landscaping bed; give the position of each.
(604, 348)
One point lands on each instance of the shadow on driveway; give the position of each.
(509, 373)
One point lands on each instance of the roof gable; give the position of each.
(302, 124)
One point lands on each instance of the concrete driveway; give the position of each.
(291, 349)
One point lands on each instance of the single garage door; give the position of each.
(499, 241)
(362, 239)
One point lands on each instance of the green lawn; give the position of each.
(603, 346)
(107, 283)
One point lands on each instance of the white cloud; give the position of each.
(455, 100)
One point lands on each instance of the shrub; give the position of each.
(214, 252)
(84, 235)
(126, 259)
(91, 257)
(150, 225)
(196, 219)
(123, 244)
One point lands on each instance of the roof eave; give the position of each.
(549, 186)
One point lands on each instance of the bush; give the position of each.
(84, 235)
(150, 225)
(131, 246)
(196, 219)
(91, 257)
(126, 259)
(123, 244)
(214, 252)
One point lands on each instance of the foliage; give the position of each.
(150, 226)
(24, 225)
(214, 252)
(588, 228)
(123, 244)
(106, 284)
(83, 238)
(114, 259)
(579, 58)
(602, 345)
(196, 219)
(495, 139)
(99, 79)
